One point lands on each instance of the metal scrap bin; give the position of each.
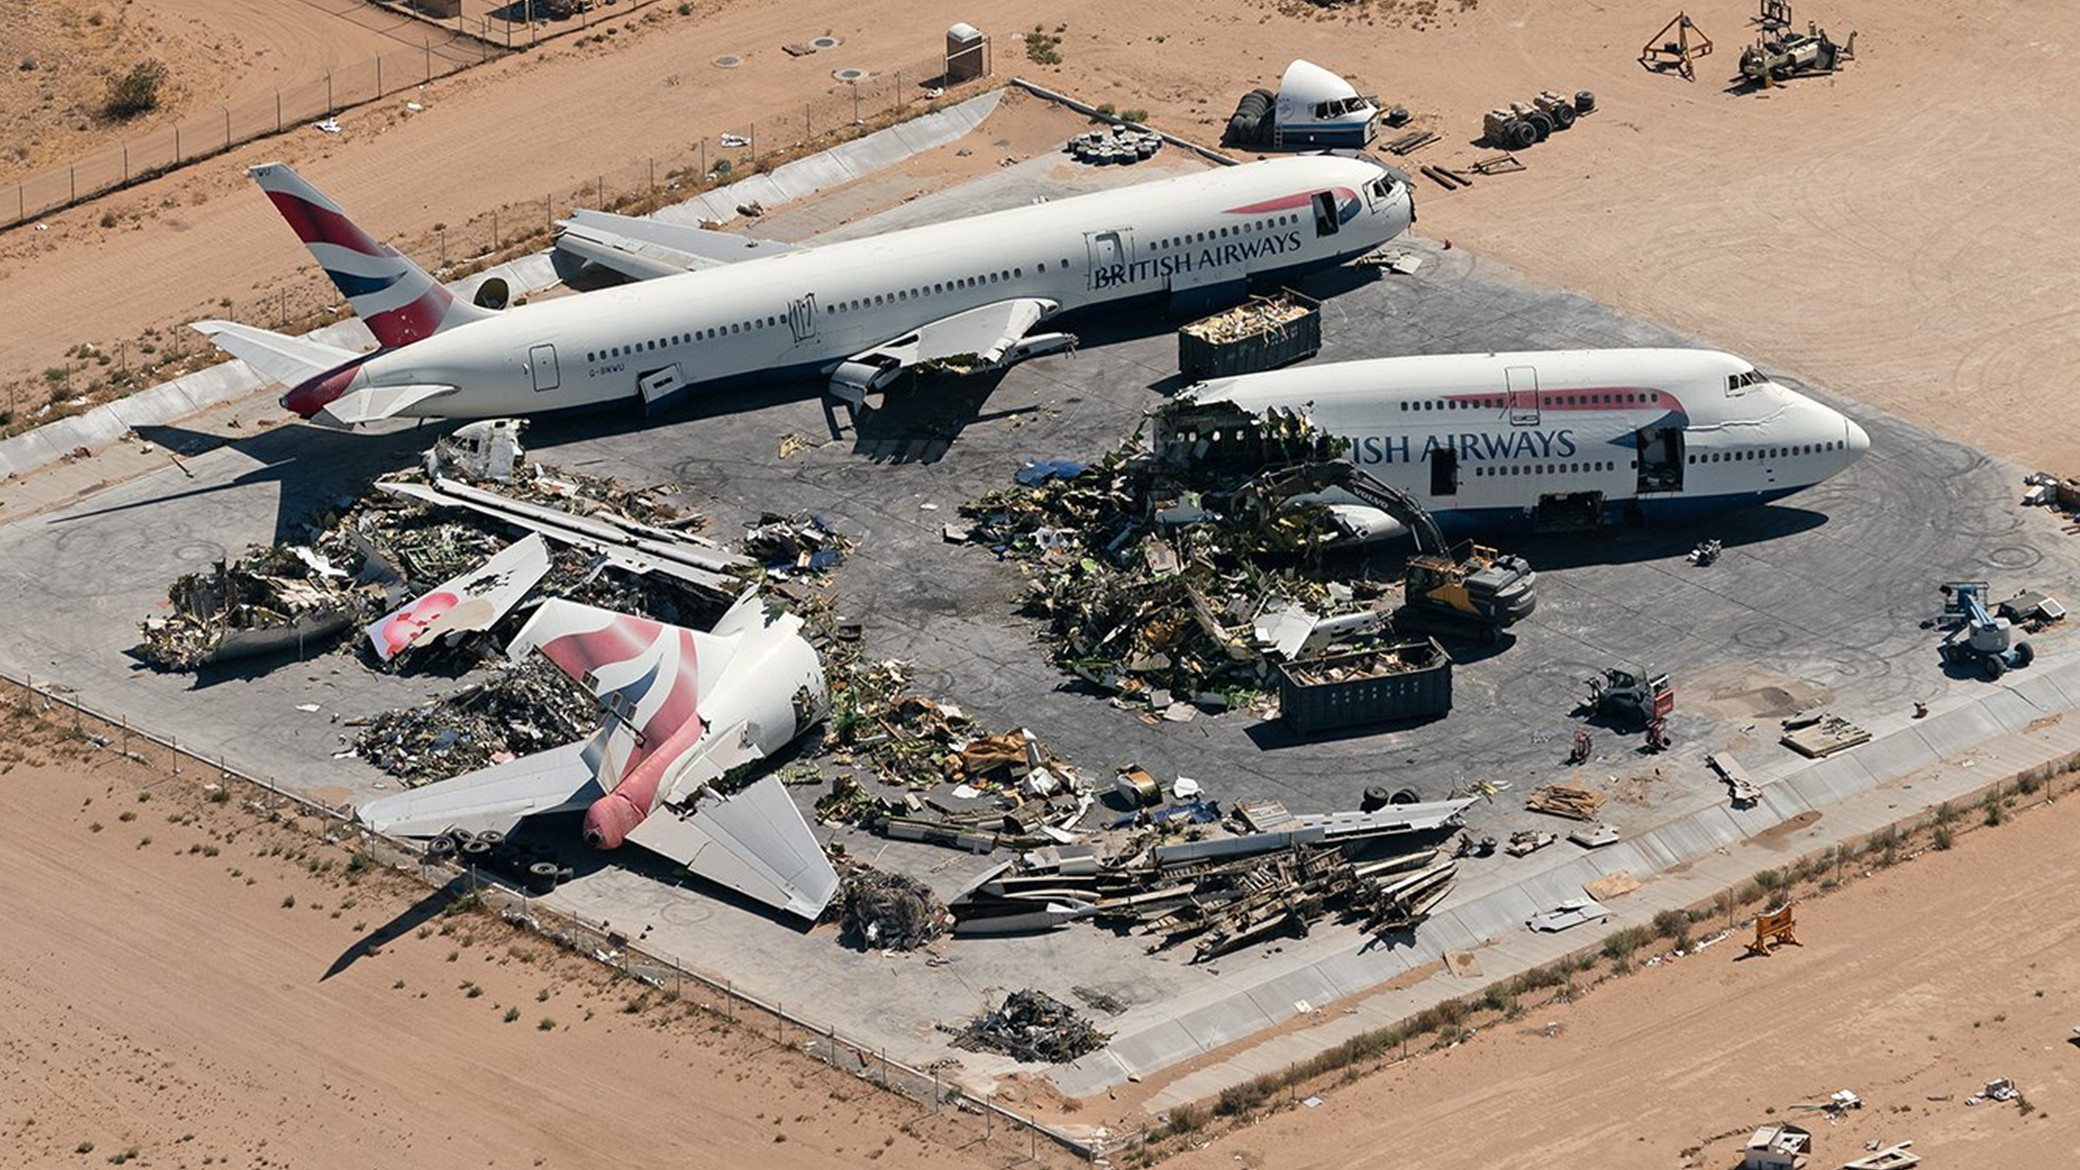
(1262, 334)
(1401, 680)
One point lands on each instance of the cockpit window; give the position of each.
(1381, 187)
(1739, 383)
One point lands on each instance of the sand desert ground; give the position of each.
(1912, 988)
(180, 980)
(1896, 233)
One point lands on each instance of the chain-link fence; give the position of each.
(951, 1114)
(444, 47)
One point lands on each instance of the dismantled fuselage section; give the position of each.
(682, 710)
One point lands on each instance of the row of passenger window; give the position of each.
(1544, 400)
(1750, 456)
(1485, 470)
(1225, 233)
(847, 306)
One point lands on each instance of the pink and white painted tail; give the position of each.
(399, 301)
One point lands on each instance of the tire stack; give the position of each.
(531, 864)
(1118, 146)
(1253, 120)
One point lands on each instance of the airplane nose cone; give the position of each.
(1858, 441)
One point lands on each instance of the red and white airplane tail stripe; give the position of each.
(399, 301)
(651, 678)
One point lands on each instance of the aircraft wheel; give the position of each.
(1518, 135)
(1541, 123)
(440, 849)
(541, 877)
(1563, 116)
(476, 852)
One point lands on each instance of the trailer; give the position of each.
(1261, 334)
(1397, 681)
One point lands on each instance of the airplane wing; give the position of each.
(497, 797)
(644, 249)
(980, 338)
(474, 600)
(755, 842)
(286, 359)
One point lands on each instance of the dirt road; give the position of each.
(1913, 988)
(178, 979)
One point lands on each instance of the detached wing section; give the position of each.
(498, 797)
(754, 842)
(981, 338)
(645, 249)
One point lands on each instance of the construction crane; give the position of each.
(1977, 637)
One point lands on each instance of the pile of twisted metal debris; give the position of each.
(473, 495)
(889, 911)
(1274, 872)
(517, 710)
(1031, 1026)
(1156, 567)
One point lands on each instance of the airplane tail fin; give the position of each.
(399, 301)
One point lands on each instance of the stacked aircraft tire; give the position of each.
(1118, 146)
(532, 864)
(1254, 119)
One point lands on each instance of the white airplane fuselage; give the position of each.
(807, 311)
(1565, 436)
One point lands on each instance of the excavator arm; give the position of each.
(1272, 488)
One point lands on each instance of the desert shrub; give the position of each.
(135, 92)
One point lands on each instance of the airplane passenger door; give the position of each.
(1111, 252)
(1325, 222)
(1523, 395)
(658, 385)
(541, 362)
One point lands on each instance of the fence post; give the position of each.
(379, 75)
(899, 91)
(494, 230)
(653, 176)
(227, 127)
(602, 180)
(329, 111)
(72, 184)
(176, 146)
(277, 111)
(176, 741)
(429, 57)
(126, 169)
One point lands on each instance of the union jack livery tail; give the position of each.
(399, 301)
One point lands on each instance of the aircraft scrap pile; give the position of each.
(1031, 1026)
(1155, 574)
(277, 597)
(394, 544)
(1277, 873)
(516, 710)
(889, 911)
(959, 785)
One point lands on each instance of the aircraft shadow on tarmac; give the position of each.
(313, 467)
(1652, 542)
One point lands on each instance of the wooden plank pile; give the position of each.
(1561, 800)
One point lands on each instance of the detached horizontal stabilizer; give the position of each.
(288, 360)
(498, 797)
(645, 249)
(754, 842)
